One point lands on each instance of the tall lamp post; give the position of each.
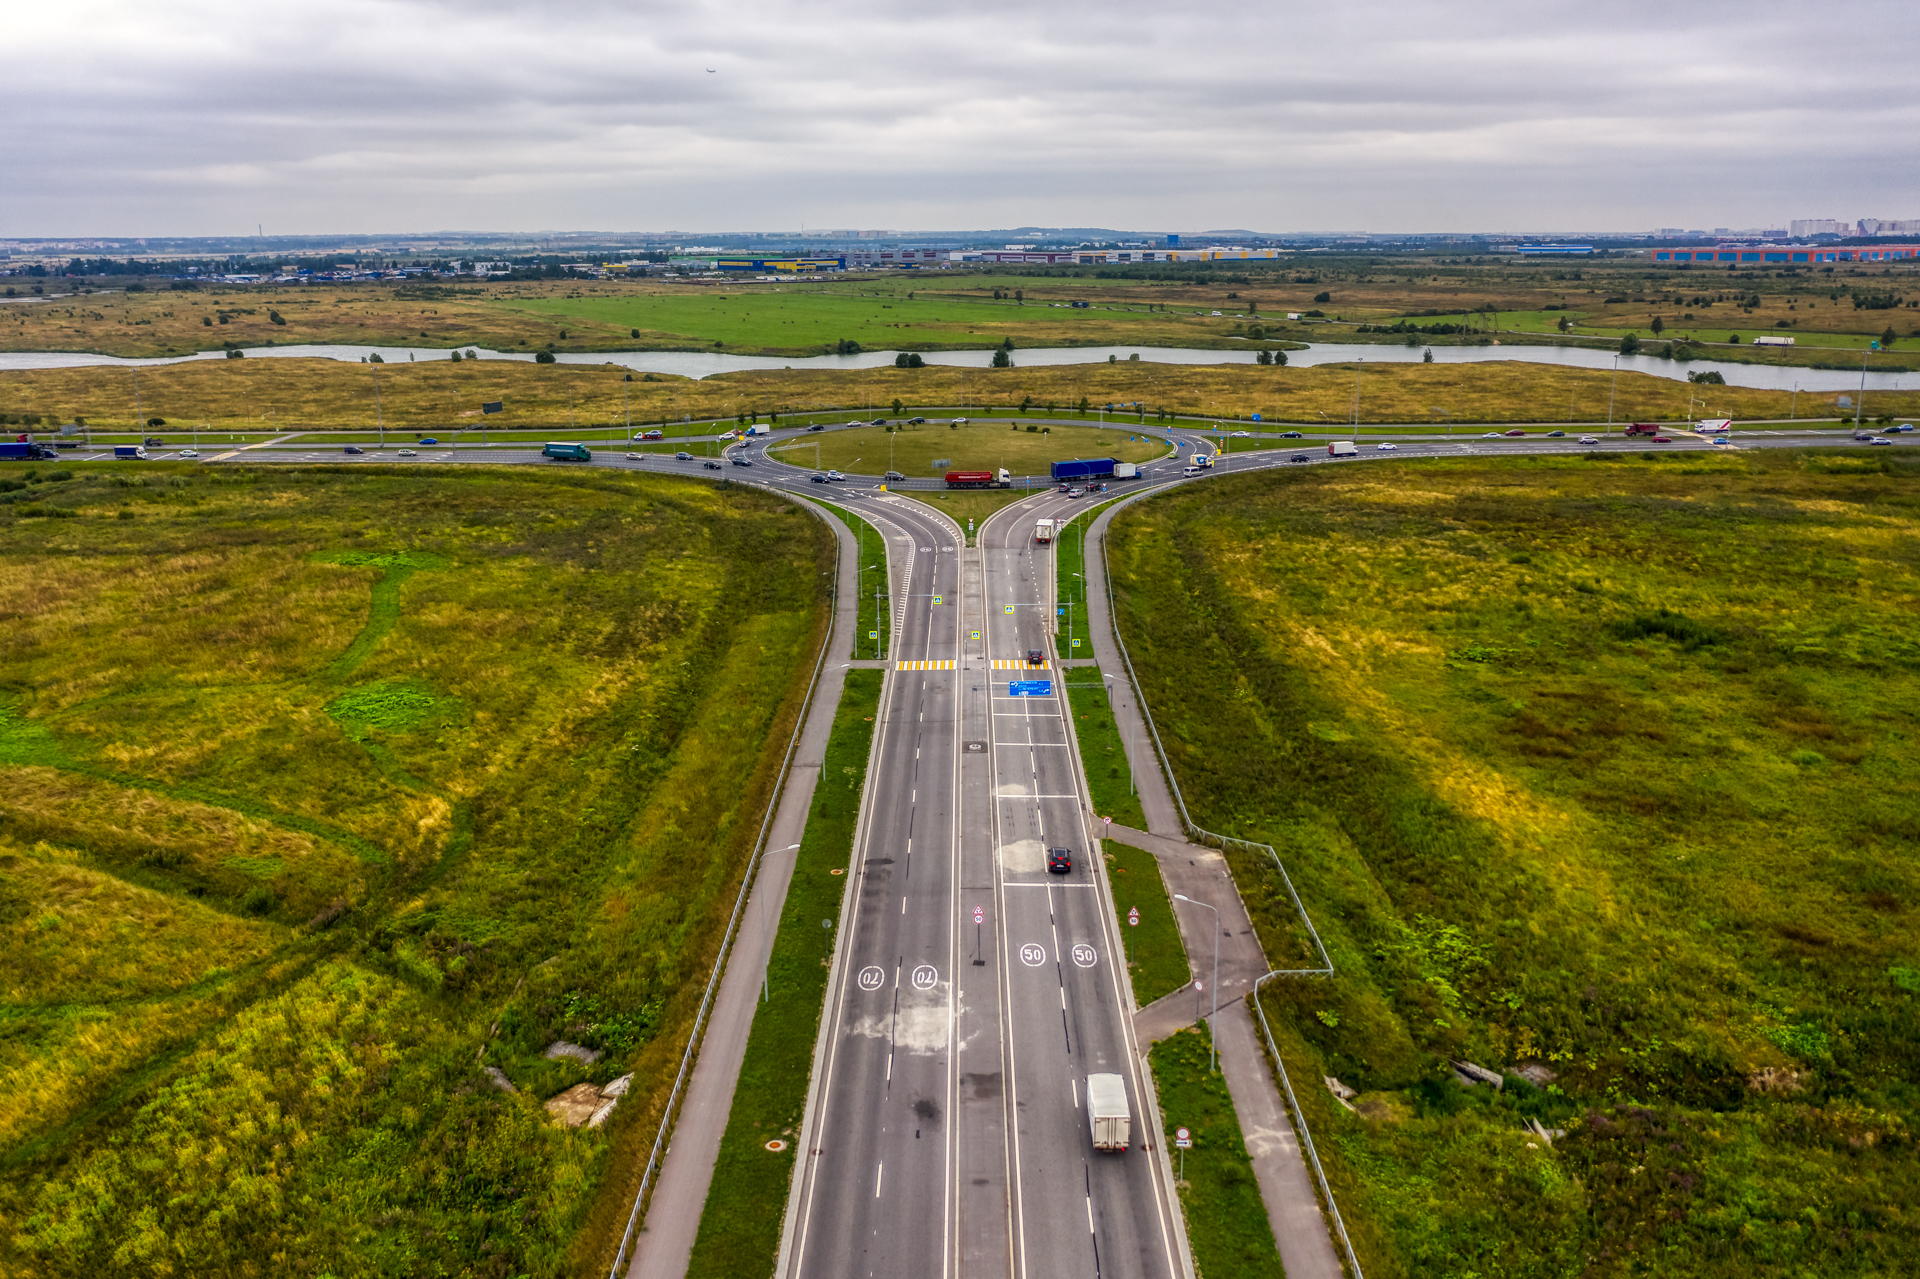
(1128, 731)
(1213, 1019)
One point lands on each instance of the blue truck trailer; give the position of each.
(25, 451)
(1090, 468)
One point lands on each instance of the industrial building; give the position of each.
(1789, 254)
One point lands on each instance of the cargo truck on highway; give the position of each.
(1643, 428)
(130, 450)
(563, 452)
(1107, 1106)
(760, 429)
(1125, 471)
(25, 451)
(1342, 448)
(1043, 530)
(1002, 479)
(1079, 469)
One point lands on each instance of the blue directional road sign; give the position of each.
(1030, 688)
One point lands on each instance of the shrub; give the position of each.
(1677, 627)
(543, 357)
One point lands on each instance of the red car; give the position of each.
(1661, 439)
(1516, 432)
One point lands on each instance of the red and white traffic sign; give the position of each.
(1133, 917)
(979, 914)
(1182, 1139)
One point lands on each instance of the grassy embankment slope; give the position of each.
(322, 792)
(1595, 765)
(261, 397)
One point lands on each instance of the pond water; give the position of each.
(700, 364)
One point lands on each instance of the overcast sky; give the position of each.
(204, 117)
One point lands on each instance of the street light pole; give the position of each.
(1213, 1019)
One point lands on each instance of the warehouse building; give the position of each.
(1789, 254)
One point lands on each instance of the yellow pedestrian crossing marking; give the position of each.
(925, 666)
(1018, 664)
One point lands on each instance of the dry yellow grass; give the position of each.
(235, 396)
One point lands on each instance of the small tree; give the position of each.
(1887, 338)
(1000, 360)
(1659, 326)
(1630, 344)
(896, 406)
(1020, 296)
(1428, 357)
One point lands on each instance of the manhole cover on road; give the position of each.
(976, 746)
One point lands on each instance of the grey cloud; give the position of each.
(399, 114)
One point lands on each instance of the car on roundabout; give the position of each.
(1241, 435)
(1075, 492)
(711, 465)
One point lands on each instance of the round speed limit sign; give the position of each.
(1133, 917)
(979, 915)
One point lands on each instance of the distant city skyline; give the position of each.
(191, 119)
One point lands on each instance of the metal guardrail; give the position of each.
(1201, 834)
(739, 905)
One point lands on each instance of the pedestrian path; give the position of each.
(1019, 664)
(946, 665)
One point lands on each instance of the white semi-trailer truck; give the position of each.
(1107, 1106)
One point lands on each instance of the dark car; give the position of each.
(916, 421)
(879, 421)
(1515, 433)
(1059, 861)
(711, 465)
(152, 440)
(893, 475)
(354, 449)
(1292, 435)
(817, 426)
(1036, 657)
(1556, 435)
(1661, 439)
(818, 479)
(683, 457)
(742, 461)
(1299, 457)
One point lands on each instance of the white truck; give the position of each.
(1043, 531)
(1125, 471)
(1107, 1106)
(1714, 426)
(1342, 448)
(1773, 339)
(760, 429)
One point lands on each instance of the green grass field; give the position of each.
(325, 791)
(913, 450)
(1101, 750)
(740, 1226)
(1598, 766)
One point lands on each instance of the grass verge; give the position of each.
(873, 628)
(1109, 775)
(1155, 957)
(740, 1226)
(1227, 1222)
